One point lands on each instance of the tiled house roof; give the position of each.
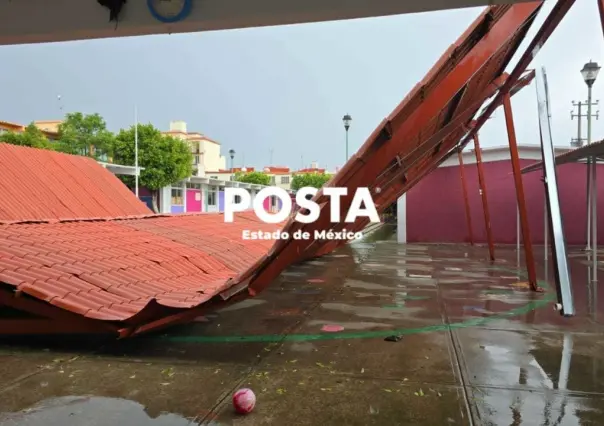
(76, 272)
(44, 185)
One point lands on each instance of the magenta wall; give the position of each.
(193, 205)
(436, 212)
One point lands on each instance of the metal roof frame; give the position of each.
(577, 155)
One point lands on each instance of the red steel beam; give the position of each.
(50, 314)
(464, 188)
(483, 195)
(524, 224)
(399, 134)
(38, 326)
(558, 12)
(601, 9)
(404, 178)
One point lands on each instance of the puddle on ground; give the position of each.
(466, 274)
(316, 262)
(362, 294)
(351, 325)
(308, 290)
(418, 279)
(302, 347)
(465, 281)
(366, 286)
(375, 312)
(91, 411)
(293, 274)
(248, 303)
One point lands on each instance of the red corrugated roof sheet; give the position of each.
(45, 185)
(419, 133)
(115, 270)
(140, 273)
(78, 257)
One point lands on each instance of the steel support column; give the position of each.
(559, 257)
(483, 195)
(464, 188)
(524, 224)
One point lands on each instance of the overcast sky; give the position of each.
(283, 88)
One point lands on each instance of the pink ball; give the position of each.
(244, 401)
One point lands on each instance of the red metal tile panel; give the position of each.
(139, 271)
(43, 185)
(112, 270)
(427, 124)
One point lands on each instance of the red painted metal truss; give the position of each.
(438, 117)
(425, 128)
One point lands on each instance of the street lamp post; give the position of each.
(347, 119)
(136, 172)
(232, 155)
(590, 73)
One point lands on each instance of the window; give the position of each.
(213, 177)
(237, 199)
(177, 197)
(193, 185)
(196, 160)
(211, 196)
(273, 180)
(284, 179)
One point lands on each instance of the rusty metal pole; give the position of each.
(464, 188)
(483, 194)
(524, 224)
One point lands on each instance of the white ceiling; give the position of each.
(32, 21)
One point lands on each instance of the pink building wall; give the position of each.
(194, 205)
(436, 212)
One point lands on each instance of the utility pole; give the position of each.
(579, 142)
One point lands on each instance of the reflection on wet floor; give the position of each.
(376, 333)
(89, 411)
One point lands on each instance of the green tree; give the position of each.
(256, 178)
(316, 180)
(85, 135)
(31, 136)
(166, 160)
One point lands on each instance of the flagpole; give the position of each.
(135, 152)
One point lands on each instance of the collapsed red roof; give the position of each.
(419, 134)
(45, 185)
(73, 272)
(130, 275)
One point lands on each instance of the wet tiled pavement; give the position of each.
(429, 335)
